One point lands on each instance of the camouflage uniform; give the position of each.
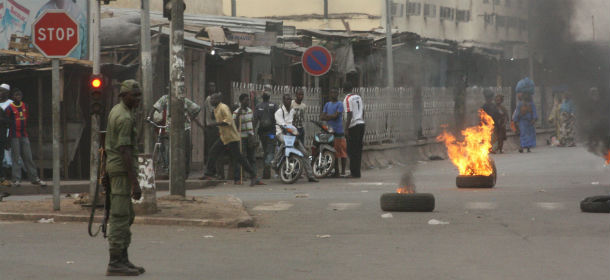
(121, 131)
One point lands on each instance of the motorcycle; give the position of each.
(290, 163)
(323, 151)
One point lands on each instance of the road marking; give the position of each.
(278, 206)
(550, 205)
(481, 205)
(343, 206)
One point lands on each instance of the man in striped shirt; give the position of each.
(18, 115)
(243, 117)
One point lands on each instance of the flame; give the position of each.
(608, 158)
(406, 190)
(471, 156)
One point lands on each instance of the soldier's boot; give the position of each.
(116, 267)
(131, 265)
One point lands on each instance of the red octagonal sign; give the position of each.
(55, 34)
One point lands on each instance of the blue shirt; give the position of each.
(331, 108)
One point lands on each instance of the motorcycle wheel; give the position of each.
(291, 169)
(327, 166)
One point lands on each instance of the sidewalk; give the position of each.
(215, 211)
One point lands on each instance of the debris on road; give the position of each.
(435, 222)
(270, 206)
(70, 262)
(594, 183)
(387, 216)
(46, 221)
(323, 236)
(208, 236)
(302, 195)
(343, 206)
(364, 191)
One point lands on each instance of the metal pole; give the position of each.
(56, 133)
(326, 9)
(40, 130)
(233, 8)
(95, 118)
(146, 56)
(390, 55)
(176, 133)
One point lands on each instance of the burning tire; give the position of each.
(596, 204)
(398, 202)
(478, 181)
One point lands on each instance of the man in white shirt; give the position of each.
(285, 116)
(299, 113)
(355, 132)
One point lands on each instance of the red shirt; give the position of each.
(18, 116)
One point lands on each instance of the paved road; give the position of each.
(528, 227)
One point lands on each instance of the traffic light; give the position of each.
(96, 87)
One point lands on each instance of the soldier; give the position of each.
(121, 166)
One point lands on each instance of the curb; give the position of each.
(223, 223)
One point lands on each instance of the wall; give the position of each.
(211, 7)
(365, 13)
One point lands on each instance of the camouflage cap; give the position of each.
(129, 85)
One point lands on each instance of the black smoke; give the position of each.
(582, 66)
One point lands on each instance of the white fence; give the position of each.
(397, 115)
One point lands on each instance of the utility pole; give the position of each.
(233, 8)
(149, 201)
(390, 55)
(176, 130)
(325, 9)
(95, 23)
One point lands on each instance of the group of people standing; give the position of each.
(522, 121)
(14, 137)
(563, 118)
(262, 126)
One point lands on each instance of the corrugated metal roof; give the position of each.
(235, 24)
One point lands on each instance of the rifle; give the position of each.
(102, 180)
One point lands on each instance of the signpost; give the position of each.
(317, 61)
(55, 36)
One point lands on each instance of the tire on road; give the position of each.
(398, 202)
(596, 204)
(478, 181)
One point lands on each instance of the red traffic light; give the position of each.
(96, 83)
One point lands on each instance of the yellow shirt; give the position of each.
(228, 133)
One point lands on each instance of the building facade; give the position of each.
(487, 23)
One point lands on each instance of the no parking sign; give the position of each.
(317, 60)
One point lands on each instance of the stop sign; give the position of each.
(55, 34)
